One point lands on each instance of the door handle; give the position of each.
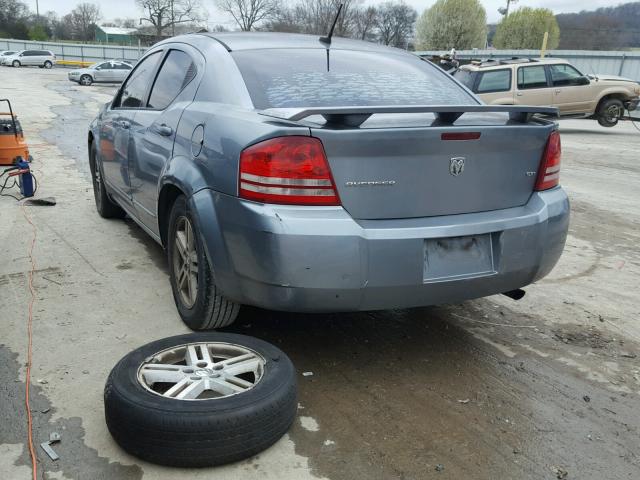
(163, 129)
(519, 94)
(124, 124)
(558, 90)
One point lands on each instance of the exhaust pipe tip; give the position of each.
(516, 294)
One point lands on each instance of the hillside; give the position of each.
(607, 28)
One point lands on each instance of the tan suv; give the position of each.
(555, 82)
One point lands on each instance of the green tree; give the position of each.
(38, 33)
(459, 24)
(525, 28)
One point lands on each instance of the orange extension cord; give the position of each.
(32, 451)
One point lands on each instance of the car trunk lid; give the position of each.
(398, 168)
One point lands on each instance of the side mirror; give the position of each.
(583, 81)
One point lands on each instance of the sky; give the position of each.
(127, 8)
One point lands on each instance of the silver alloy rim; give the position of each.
(85, 80)
(201, 371)
(185, 262)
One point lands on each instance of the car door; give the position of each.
(27, 57)
(99, 74)
(494, 86)
(532, 86)
(115, 145)
(153, 131)
(572, 91)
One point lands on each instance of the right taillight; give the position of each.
(289, 170)
(549, 172)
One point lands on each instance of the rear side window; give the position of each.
(465, 77)
(176, 72)
(134, 90)
(291, 78)
(531, 77)
(495, 81)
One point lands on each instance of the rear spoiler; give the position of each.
(355, 116)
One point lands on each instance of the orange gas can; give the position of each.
(12, 143)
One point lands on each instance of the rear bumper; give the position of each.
(321, 260)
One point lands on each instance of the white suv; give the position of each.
(39, 58)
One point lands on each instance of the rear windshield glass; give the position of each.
(278, 78)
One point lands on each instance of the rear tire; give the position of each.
(48, 65)
(609, 112)
(198, 300)
(16, 63)
(86, 80)
(104, 205)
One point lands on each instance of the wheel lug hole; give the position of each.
(201, 364)
(187, 370)
(218, 367)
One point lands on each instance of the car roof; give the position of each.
(234, 41)
(494, 64)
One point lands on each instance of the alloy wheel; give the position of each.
(201, 371)
(185, 262)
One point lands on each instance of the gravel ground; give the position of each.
(487, 389)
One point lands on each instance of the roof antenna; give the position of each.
(327, 39)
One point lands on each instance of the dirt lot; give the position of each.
(488, 389)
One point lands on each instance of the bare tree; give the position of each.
(83, 20)
(248, 13)
(365, 21)
(163, 14)
(395, 23)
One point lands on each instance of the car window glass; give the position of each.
(133, 92)
(465, 77)
(531, 77)
(495, 81)
(564, 75)
(300, 77)
(176, 72)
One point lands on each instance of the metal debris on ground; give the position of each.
(466, 400)
(439, 467)
(586, 398)
(307, 374)
(54, 437)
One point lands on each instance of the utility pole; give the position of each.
(505, 11)
(37, 10)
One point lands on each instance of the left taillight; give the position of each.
(549, 172)
(287, 170)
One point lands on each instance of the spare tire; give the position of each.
(201, 399)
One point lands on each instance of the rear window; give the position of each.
(279, 78)
(465, 77)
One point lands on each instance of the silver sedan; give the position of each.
(106, 72)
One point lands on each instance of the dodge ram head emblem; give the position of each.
(456, 166)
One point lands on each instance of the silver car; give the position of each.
(112, 71)
(30, 58)
(288, 173)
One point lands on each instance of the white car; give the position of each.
(106, 72)
(5, 54)
(37, 58)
